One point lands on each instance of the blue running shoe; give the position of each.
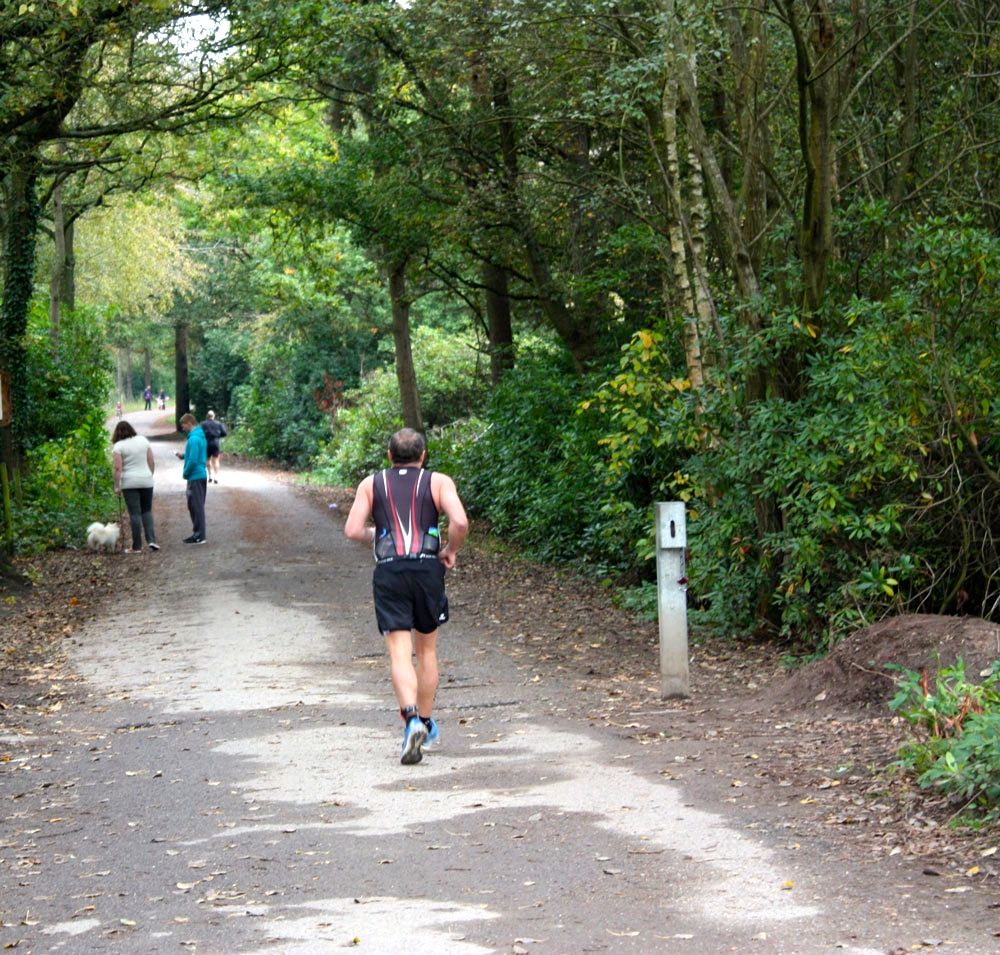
(413, 739)
(433, 733)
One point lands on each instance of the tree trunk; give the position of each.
(147, 369)
(495, 278)
(129, 376)
(498, 315)
(749, 44)
(120, 374)
(58, 278)
(19, 272)
(576, 336)
(182, 403)
(406, 375)
(67, 293)
(759, 379)
(815, 80)
(671, 171)
(908, 106)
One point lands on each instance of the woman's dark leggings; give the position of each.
(139, 501)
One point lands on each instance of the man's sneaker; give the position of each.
(414, 735)
(194, 539)
(153, 545)
(433, 733)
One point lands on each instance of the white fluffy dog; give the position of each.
(102, 536)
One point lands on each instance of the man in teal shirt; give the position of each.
(195, 456)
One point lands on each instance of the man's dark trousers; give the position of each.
(196, 491)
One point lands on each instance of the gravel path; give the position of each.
(226, 780)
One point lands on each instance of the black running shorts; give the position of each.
(409, 595)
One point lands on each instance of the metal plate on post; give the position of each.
(671, 525)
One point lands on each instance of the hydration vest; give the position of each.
(406, 518)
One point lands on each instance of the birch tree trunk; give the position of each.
(675, 232)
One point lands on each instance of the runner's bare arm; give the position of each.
(450, 504)
(361, 511)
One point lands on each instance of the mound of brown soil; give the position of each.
(855, 673)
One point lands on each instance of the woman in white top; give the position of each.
(134, 467)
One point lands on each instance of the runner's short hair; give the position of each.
(406, 446)
(188, 419)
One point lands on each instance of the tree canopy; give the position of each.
(739, 256)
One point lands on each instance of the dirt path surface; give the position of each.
(215, 770)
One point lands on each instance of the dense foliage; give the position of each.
(605, 256)
(362, 418)
(68, 476)
(956, 747)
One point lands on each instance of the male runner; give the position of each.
(215, 431)
(405, 502)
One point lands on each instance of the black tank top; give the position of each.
(406, 519)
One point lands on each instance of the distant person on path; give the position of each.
(147, 396)
(405, 502)
(215, 431)
(194, 457)
(162, 401)
(134, 467)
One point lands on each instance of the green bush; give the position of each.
(66, 382)
(882, 472)
(67, 478)
(68, 485)
(532, 466)
(450, 386)
(218, 366)
(278, 413)
(958, 750)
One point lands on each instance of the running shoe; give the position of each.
(153, 545)
(414, 735)
(433, 734)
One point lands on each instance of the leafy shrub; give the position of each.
(67, 475)
(450, 387)
(66, 382)
(958, 750)
(532, 466)
(217, 368)
(68, 485)
(878, 475)
(276, 412)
